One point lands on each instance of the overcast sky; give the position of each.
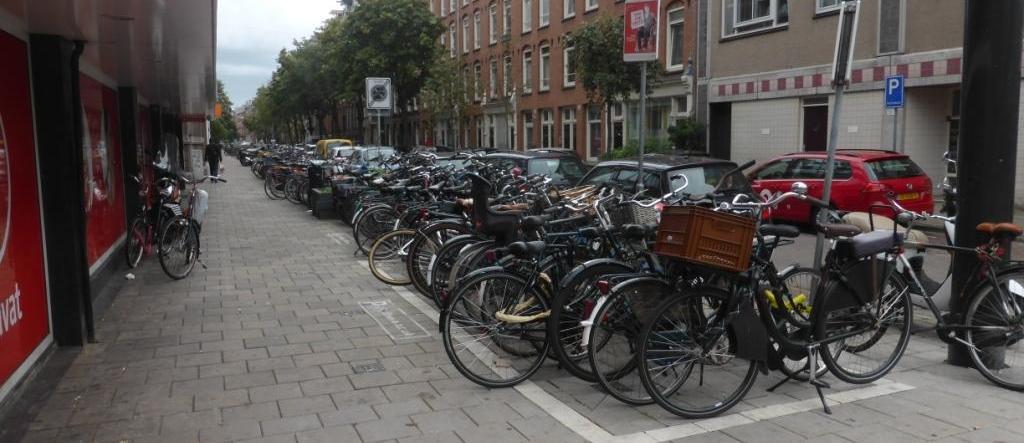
(251, 32)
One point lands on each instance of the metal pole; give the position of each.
(987, 153)
(895, 126)
(378, 128)
(643, 110)
(830, 164)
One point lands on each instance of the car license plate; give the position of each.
(908, 196)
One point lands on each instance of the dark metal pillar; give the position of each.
(990, 99)
(59, 130)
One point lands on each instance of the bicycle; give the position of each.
(993, 324)
(179, 246)
(145, 229)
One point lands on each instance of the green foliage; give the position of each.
(599, 66)
(445, 91)
(632, 149)
(688, 135)
(223, 129)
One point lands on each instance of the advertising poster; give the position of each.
(24, 320)
(640, 39)
(103, 187)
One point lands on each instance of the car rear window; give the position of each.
(890, 168)
(704, 179)
(568, 169)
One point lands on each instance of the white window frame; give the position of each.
(566, 58)
(590, 132)
(591, 5)
(444, 10)
(669, 49)
(547, 125)
(736, 22)
(527, 15)
(728, 32)
(476, 29)
(451, 6)
(506, 18)
(465, 34)
(492, 82)
(527, 69)
(568, 115)
(544, 7)
(452, 39)
(545, 68)
(820, 9)
(465, 2)
(477, 79)
(506, 75)
(527, 129)
(492, 13)
(903, 31)
(568, 9)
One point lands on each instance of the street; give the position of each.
(286, 336)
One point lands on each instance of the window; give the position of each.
(465, 2)
(891, 26)
(465, 35)
(680, 106)
(444, 10)
(568, 8)
(465, 82)
(451, 6)
(591, 5)
(545, 68)
(594, 131)
(506, 76)
(493, 80)
(507, 18)
(890, 168)
(774, 171)
(451, 38)
(527, 71)
(545, 12)
(528, 141)
(493, 11)
(476, 30)
(743, 16)
(674, 54)
(569, 128)
(569, 65)
(476, 81)
(547, 128)
(826, 5)
(527, 15)
(617, 135)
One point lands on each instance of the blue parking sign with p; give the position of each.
(894, 91)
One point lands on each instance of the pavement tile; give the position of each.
(306, 405)
(290, 425)
(387, 429)
(348, 415)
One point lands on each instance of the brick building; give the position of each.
(522, 88)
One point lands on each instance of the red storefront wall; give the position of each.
(104, 177)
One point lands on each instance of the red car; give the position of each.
(862, 178)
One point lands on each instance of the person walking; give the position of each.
(213, 157)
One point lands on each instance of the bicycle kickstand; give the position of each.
(201, 263)
(812, 357)
(779, 384)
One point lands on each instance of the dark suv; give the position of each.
(562, 166)
(662, 171)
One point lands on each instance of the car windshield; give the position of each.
(341, 152)
(891, 168)
(704, 179)
(558, 169)
(338, 144)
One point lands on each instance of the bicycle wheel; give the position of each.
(136, 242)
(442, 265)
(995, 326)
(291, 189)
(273, 186)
(388, 255)
(876, 334)
(493, 330)
(178, 248)
(687, 356)
(614, 336)
(470, 259)
(800, 285)
(371, 224)
(573, 304)
(424, 248)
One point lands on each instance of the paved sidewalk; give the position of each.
(270, 343)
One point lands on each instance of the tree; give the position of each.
(688, 135)
(599, 66)
(444, 93)
(223, 129)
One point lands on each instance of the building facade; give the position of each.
(768, 79)
(515, 57)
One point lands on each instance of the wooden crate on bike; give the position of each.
(701, 236)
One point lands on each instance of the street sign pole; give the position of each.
(379, 112)
(640, 44)
(848, 15)
(643, 110)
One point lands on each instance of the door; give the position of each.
(772, 179)
(815, 127)
(720, 130)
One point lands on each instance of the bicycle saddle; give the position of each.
(874, 242)
(782, 231)
(532, 222)
(836, 230)
(1000, 228)
(527, 249)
